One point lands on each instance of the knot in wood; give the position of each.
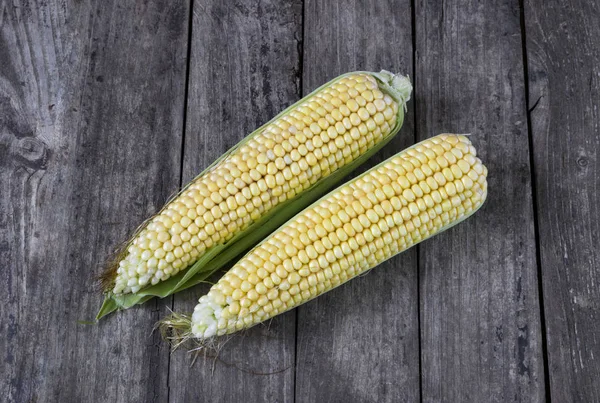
(582, 162)
(31, 152)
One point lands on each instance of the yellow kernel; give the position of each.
(262, 300)
(450, 188)
(253, 295)
(323, 124)
(234, 308)
(473, 175)
(285, 296)
(464, 166)
(352, 105)
(446, 205)
(432, 183)
(414, 210)
(439, 178)
(245, 286)
(478, 167)
(268, 282)
(294, 278)
(261, 288)
(403, 181)
(451, 158)
(447, 174)
(408, 195)
(272, 294)
(337, 115)
(363, 114)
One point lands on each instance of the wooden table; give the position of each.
(107, 107)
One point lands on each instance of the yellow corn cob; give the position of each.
(406, 199)
(321, 134)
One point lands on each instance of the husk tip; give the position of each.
(398, 85)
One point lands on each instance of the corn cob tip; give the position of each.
(206, 316)
(397, 85)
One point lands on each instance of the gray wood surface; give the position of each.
(480, 319)
(564, 96)
(106, 108)
(360, 342)
(244, 69)
(91, 109)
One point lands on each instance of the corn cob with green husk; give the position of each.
(256, 186)
(412, 196)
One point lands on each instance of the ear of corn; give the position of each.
(412, 196)
(257, 185)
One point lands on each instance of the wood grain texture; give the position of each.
(91, 107)
(359, 343)
(243, 70)
(480, 318)
(93, 119)
(564, 83)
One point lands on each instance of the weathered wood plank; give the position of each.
(564, 83)
(360, 341)
(91, 107)
(243, 70)
(480, 322)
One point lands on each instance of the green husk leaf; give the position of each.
(219, 255)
